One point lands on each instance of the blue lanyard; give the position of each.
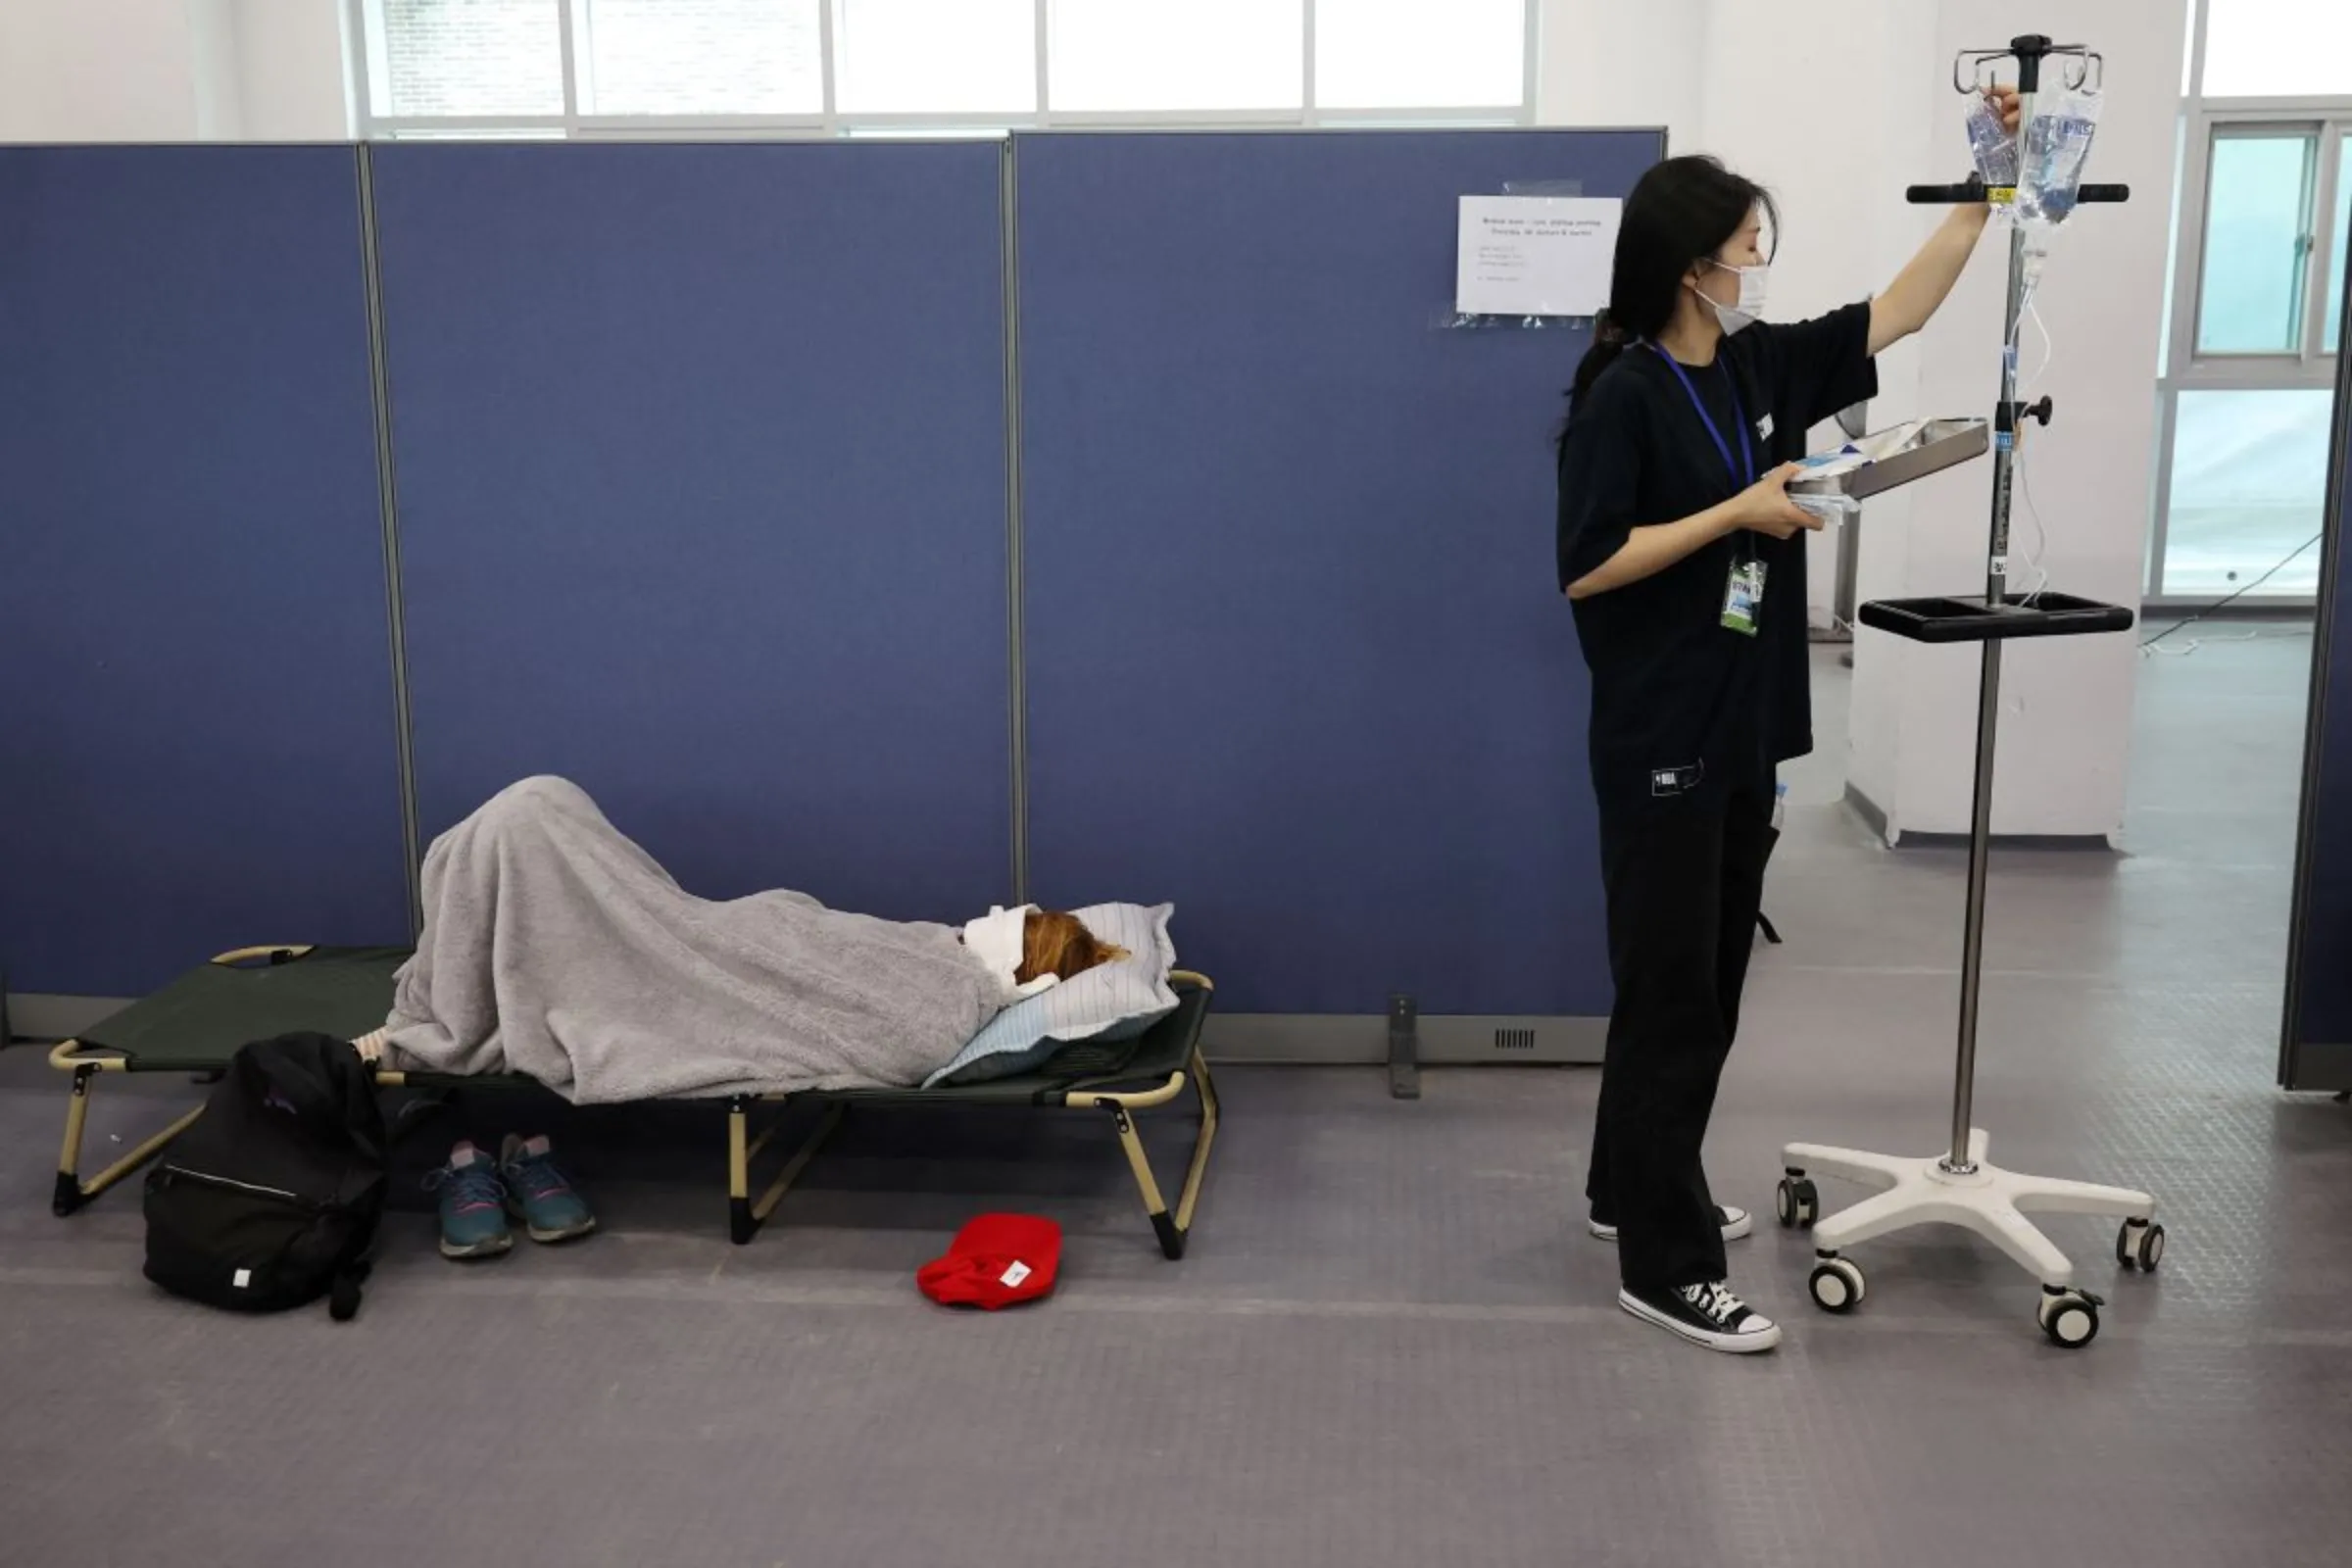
(1747, 455)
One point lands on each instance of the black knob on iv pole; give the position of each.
(2019, 413)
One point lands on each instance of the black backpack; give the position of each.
(270, 1199)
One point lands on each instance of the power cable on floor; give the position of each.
(2219, 604)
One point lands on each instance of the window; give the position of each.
(2249, 480)
(667, 68)
(2257, 301)
(1399, 54)
(463, 58)
(2257, 243)
(1176, 55)
(2277, 49)
(902, 57)
(703, 57)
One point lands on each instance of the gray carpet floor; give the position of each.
(1392, 1344)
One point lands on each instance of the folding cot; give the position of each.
(196, 1023)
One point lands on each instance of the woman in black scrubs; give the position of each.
(1686, 560)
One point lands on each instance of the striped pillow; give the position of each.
(1110, 1002)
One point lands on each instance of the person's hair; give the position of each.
(1058, 944)
(1682, 212)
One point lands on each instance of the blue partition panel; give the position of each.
(2317, 1045)
(701, 456)
(1296, 655)
(195, 687)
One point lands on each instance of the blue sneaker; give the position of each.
(540, 1192)
(474, 1206)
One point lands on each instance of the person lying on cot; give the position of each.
(478, 1194)
(557, 949)
(1029, 949)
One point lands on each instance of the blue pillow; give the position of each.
(1110, 1002)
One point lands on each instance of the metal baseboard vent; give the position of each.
(1438, 1039)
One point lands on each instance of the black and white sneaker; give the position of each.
(1704, 1315)
(1735, 1223)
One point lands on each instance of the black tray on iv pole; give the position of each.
(1950, 619)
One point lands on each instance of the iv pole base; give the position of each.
(1984, 1199)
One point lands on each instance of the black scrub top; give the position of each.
(1685, 707)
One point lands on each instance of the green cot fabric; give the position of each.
(197, 1022)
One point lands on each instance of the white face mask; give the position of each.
(1752, 282)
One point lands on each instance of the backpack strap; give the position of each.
(343, 1296)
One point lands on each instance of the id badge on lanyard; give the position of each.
(1744, 592)
(1743, 596)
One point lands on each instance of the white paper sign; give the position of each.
(1535, 254)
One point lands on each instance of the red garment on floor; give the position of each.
(997, 1261)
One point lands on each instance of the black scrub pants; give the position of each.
(1684, 879)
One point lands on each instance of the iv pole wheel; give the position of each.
(2071, 1318)
(1836, 1286)
(1797, 1202)
(2139, 1245)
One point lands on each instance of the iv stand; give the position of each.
(1960, 1187)
(1988, 687)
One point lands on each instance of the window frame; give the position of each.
(2183, 366)
(371, 77)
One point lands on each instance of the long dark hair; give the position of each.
(1682, 211)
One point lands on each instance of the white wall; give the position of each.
(97, 71)
(212, 67)
(171, 70)
(291, 69)
(1622, 64)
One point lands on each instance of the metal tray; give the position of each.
(1938, 444)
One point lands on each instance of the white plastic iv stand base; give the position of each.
(1984, 1199)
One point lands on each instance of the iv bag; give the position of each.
(2057, 143)
(1990, 144)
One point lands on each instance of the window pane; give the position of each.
(704, 57)
(1420, 54)
(1135, 55)
(2341, 229)
(2255, 218)
(2249, 482)
(474, 57)
(2267, 48)
(902, 57)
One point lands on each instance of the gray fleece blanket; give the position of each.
(557, 948)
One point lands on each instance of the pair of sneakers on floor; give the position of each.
(478, 1194)
(1704, 1315)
